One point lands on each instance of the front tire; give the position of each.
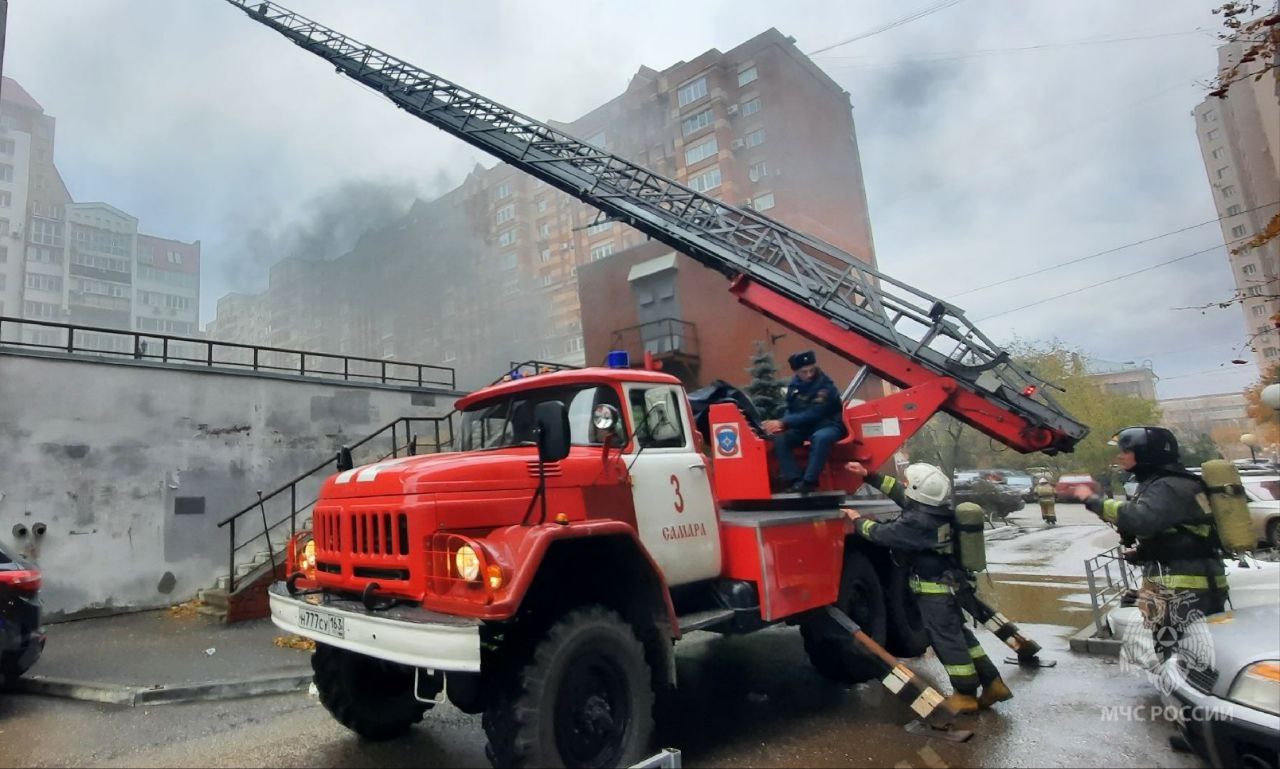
(585, 698)
(371, 697)
(830, 648)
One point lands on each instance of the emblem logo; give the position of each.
(726, 440)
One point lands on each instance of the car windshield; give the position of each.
(1018, 481)
(1074, 479)
(509, 421)
(1265, 490)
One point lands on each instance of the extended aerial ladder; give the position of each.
(893, 330)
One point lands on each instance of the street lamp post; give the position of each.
(1270, 396)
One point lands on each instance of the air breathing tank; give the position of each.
(970, 522)
(1229, 504)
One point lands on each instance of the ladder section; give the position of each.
(926, 330)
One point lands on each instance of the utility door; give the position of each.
(675, 510)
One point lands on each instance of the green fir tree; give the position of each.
(765, 389)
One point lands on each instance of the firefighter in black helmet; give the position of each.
(1172, 523)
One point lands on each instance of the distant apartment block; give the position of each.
(1240, 142)
(1126, 378)
(79, 263)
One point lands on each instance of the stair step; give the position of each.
(216, 598)
(701, 619)
(213, 612)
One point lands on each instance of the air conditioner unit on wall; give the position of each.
(732, 110)
(735, 144)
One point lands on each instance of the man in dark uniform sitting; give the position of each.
(813, 414)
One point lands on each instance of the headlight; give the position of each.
(302, 552)
(1258, 686)
(309, 557)
(467, 563)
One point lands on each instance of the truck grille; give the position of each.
(366, 532)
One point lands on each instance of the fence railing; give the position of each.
(1109, 576)
(167, 348)
(405, 439)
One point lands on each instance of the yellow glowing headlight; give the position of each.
(467, 563)
(309, 557)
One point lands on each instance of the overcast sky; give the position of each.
(981, 162)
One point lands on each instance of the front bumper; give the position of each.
(406, 635)
(1224, 729)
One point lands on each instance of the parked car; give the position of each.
(21, 636)
(1263, 492)
(997, 499)
(1024, 484)
(1230, 712)
(1067, 483)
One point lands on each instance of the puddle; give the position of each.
(1042, 600)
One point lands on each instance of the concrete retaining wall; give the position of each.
(130, 465)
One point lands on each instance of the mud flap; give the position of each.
(925, 701)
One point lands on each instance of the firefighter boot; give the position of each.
(996, 691)
(961, 703)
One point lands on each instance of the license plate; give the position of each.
(322, 622)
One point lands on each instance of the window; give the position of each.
(1213, 134)
(6, 199)
(1209, 116)
(747, 75)
(755, 138)
(502, 191)
(1238, 231)
(40, 310)
(44, 282)
(697, 122)
(1234, 210)
(596, 229)
(757, 171)
(542, 205)
(1254, 291)
(2, 282)
(701, 151)
(1259, 310)
(544, 229)
(602, 250)
(4, 254)
(1217, 153)
(506, 213)
(763, 202)
(4, 226)
(751, 107)
(1222, 172)
(707, 180)
(656, 417)
(692, 92)
(1262, 329)
(6, 146)
(46, 233)
(574, 344)
(1229, 191)
(545, 255)
(507, 237)
(175, 257)
(6, 172)
(546, 280)
(509, 261)
(1249, 269)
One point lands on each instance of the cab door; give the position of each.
(671, 486)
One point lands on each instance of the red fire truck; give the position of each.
(588, 519)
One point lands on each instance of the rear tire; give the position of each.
(1273, 533)
(584, 699)
(906, 636)
(371, 697)
(830, 648)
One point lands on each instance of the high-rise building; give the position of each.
(1240, 141)
(79, 263)
(759, 125)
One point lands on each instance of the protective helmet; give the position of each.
(1150, 445)
(927, 484)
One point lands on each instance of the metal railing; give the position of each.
(530, 368)
(1109, 576)
(405, 440)
(167, 348)
(658, 337)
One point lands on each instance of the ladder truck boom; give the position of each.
(894, 330)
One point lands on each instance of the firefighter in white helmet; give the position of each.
(922, 539)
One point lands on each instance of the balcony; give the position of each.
(672, 342)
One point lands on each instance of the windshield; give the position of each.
(1021, 481)
(494, 424)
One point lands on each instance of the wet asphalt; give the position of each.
(749, 701)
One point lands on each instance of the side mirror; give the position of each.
(552, 419)
(606, 420)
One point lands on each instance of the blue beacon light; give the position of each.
(618, 359)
